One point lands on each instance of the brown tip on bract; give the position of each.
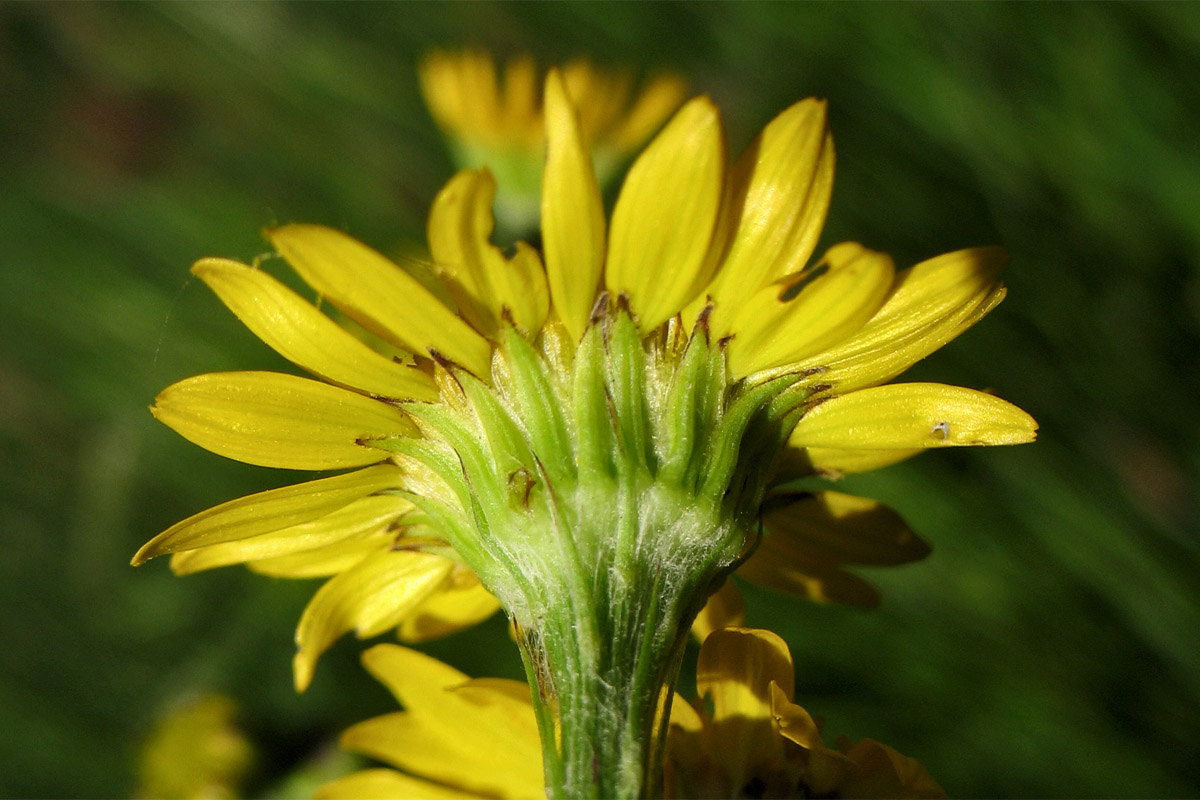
(601, 308)
(442, 361)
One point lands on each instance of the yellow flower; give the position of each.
(496, 120)
(598, 431)
(455, 738)
(756, 742)
(459, 737)
(196, 750)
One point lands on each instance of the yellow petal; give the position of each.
(735, 668)
(664, 217)
(911, 415)
(572, 213)
(276, 420)
(794, 722)
(781, 187)
(778, 326)
(882, 772)
(599, 97)
(521, 283)
(520, 94)
(306, 337)
(724, 609)
(819, 583)
(369, 598)
(323, 562)
(359, 517)
(835, 461)
(655, 101)
(274, 510)
(685, 717)
(480, 735)
(486, 285)
(387, 784)
(930, 304)
(380, 296)
(835, 528)
(448, 611)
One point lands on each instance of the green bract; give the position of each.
(602, 495)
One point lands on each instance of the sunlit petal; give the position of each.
(780, 190)
(663, 221)
(479, 734)
(450, 610)
(487, 286)
(911, 415)
(930, 304)
(369, 598)
(273, 510)
(361, 516)
(387, 784)
(377, 294)
(572, 213)
(841, 461)
(787, 321)
(295, 329)
(276, 420)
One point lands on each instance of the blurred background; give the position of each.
(1050, 647)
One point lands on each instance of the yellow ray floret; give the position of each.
(296, 550)
(779, 196)
(371, 597)
(379, 295)
(663, 221)
(477, 735)
(487, 286)
(793, 319)
(929, 305)
(911, 415)
(267, 512)
(295, 329)
(572, 213)
(276, 420)
(808, 539)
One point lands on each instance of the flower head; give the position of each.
(600, 432)
(494, 118)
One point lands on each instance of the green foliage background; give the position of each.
(1049, 647)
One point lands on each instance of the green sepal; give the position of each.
(482, 475)
(730, 434)
(509, 448)
(688, 410)
(596, 441)
(532, 394)
(627, 383)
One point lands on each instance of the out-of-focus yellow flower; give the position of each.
(756, 742)
(195, 751)
(493, 117)
(459, 737)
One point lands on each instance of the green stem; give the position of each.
(603, 702)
